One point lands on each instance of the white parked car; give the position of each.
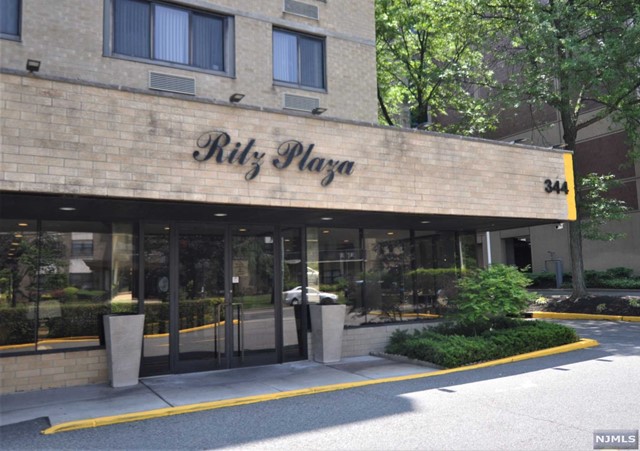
(294, 296)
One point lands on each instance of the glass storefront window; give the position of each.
(387, 272)
(57, 280)
(18, 285)
(334, 265)
(435, 269)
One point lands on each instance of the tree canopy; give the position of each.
(580, 58)
(429, 62)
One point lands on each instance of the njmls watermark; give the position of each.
(615, 439)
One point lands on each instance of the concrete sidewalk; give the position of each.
(63, 405)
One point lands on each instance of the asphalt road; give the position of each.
(550, 403)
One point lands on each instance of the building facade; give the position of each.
(200, 162)
(602, 148)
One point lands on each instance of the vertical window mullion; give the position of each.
(165, 32)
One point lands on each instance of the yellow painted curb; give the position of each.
(168, 411)
(554, 315)
(633, 319)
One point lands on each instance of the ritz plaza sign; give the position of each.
(217, 146)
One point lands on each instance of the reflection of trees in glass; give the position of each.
(156, 267)
(258, 256)
(36, 259)
(201, 266)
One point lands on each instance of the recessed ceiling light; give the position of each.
(390, 233)
(327, 218)
(67, 208)
(23, 224)
(167, 228)
(220, 215)
(18, 235)
(242, 230)
(325, 231)
(425, 222)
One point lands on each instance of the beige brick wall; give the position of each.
(347, 26)
(67, 138)
(64, 369)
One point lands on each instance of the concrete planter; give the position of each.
(123, 335)
(327, 326)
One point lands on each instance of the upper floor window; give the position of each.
(161, 32)
(298, 59)
(10, 18)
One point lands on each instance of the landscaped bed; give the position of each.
(595, 305)
(455, 344)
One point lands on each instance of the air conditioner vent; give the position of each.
(172, 83)
(301, 9)
(293, 102)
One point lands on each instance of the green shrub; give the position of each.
(619, 277)
(621, 284)
(542, 280)
(77, 320)
(70, 294)
(619, 273)
(443, 346)
(15, 326)
(499, 290)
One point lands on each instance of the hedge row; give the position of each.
(18, 326)
(452, 350)
(619, 278)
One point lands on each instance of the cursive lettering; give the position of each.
(215, 144)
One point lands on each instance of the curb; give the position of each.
(554, 315)
(191, 408)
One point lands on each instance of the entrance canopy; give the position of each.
(18, 205)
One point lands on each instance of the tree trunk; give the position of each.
(577, 264)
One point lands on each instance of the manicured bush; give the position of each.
(77, 320)
(499, 290)
(15, 326)
(617, 278)
(444, 345)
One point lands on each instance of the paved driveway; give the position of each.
(549, 403)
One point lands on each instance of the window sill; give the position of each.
(183, 67)
(283, 84)
(10, 37)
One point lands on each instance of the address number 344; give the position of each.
(550, 186)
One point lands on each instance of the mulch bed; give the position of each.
(597, 305)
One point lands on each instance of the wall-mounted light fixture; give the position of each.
(33, 65)
(318, 111)
(236, 97)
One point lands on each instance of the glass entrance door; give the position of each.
(200, 298)
(253, 297)
(213, 296)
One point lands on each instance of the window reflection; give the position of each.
(56, 282)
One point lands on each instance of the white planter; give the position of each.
(123, 336)
(327, 326)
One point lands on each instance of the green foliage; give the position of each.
(497, 291)
(77, 320)
(70, 293)
(427, 54)
(617, 278)
(597, 209)
(15, 326)
(444, 347)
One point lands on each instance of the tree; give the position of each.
(575, 56)
(428, 55)
(580, 58)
